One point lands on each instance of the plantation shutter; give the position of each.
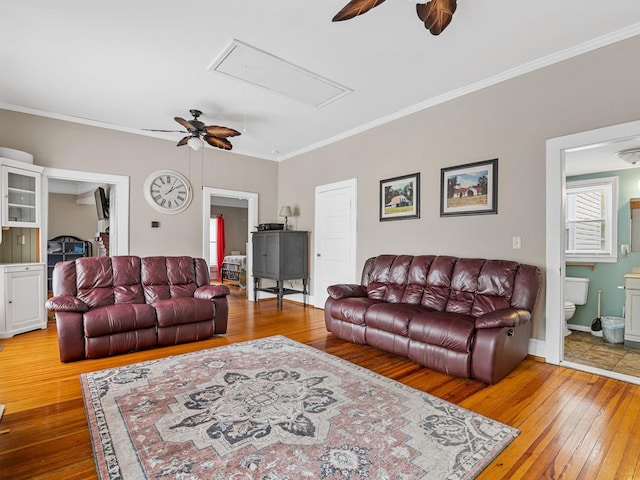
(586, 213)
(590, 219)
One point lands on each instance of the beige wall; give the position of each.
(235, 227)
(66, 217)
(66, 145)
(510, 121)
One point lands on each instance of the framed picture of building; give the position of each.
(470, 189)
(400, 197)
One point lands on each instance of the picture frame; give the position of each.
(400, 197)
(469, 189)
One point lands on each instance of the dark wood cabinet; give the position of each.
(280, 255)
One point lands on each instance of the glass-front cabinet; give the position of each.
(22, 275)
(21, 197)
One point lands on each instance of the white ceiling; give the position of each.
(600, 157)
(131, 65)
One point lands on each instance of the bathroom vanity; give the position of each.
(632, 309)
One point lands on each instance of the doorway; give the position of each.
(251, 201)
(335, 238)
(118, 204)
(555, 201)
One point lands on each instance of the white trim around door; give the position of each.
(252, 214)
(118, 209)
(556, 148)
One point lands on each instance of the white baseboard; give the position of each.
(538, 348)
(579, 328)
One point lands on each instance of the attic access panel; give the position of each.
(249, 64)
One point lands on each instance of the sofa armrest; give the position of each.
(505, 317)
(209, 292)
(66, 303)
(346, 290)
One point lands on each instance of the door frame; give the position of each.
(252, 219)
(556, 196)
(352, 185)
(118, 208)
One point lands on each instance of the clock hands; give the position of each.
(173, 186)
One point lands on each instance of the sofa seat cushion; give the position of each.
(123, 317)
(122, 342)
(444, 329)
(181, 311)
(352, 310)
(393, 317)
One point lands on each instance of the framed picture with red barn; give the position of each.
(470, 189)
(400, 197)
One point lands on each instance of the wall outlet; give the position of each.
(624, 249)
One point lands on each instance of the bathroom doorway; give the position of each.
(558, 150)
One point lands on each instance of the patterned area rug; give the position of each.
(275, 409)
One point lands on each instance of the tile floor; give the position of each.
(587, 349)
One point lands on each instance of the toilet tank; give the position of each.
(576, 290)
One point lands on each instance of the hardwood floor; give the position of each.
(574, 424)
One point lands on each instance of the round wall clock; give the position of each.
(168, 191)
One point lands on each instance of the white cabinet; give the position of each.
(21, 194)
(21, 298)
(632, 309)
(22, 285)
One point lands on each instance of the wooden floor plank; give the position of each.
(573, 424)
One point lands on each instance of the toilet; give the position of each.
(576, 291)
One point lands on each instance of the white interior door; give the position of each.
(335, 239)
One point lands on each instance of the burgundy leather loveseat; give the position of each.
(111, 305)
(468, 317)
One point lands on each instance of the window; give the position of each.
(591, 220)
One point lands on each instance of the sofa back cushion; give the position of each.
(469, 286)
(105, 281)
(102, 281)
(168, 277)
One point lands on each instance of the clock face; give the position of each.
(168, 191)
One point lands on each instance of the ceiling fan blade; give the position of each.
(221, 131)
(183, 141)
(436, 14)
(166, 131)
(186, 124)
(355, 8)
(222, 143)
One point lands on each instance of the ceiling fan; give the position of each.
(198, 133)
(435, 14)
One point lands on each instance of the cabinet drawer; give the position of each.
(23, 268)
(632, 283)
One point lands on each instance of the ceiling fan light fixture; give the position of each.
(632, 155)
(195, 143)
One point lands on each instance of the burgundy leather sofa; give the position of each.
(111, 305)
(468, 317)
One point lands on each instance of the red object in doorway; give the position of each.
(220, 244)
